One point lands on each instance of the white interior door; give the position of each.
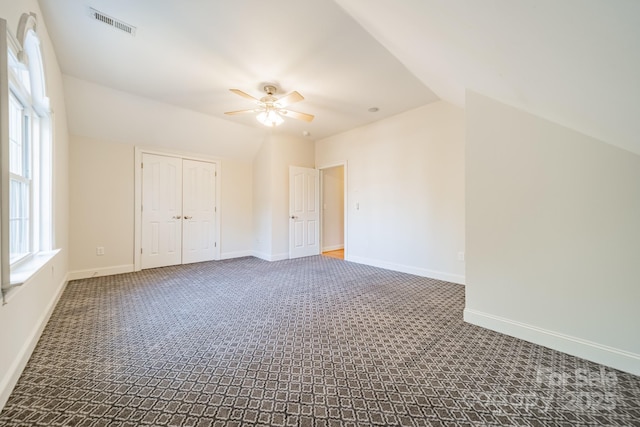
(161, 211)
(199, 211)
(304, 212)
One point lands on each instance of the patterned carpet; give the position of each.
(310, 342)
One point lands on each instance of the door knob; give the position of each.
(187, 217)
(176, 217)
(294, 217)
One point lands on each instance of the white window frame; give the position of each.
(25, 85)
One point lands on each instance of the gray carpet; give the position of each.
(309, 342)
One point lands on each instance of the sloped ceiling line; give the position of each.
(573, 62)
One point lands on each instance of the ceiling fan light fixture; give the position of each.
(270, 118)
(271, 110)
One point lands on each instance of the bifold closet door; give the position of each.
(161, 211)
(178, 211)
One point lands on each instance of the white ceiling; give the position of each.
(190, 53)
(574, 62)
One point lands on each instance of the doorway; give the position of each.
(333, 223)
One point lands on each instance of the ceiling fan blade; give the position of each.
(292, 98)
(231, 113)
(244, 95)
(296, 115)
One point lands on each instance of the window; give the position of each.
(26, 220)
(19, 181)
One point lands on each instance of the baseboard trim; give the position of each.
(280, 257)
(270, 257)
(423, 272)
(332, 248)
(97, 272)
(15, 370)
(237, 254)
(609, 356)
(261, 255)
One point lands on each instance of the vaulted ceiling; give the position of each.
(191, 53)
(574, 62)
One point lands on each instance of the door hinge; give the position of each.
(141, 165)
(140, 250)
(216, 174)
(215, 244)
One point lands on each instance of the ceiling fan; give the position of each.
(270, 109)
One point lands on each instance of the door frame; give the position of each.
(137, 203)
(346, 203)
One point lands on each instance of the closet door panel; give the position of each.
(161, 211)
(199, 211)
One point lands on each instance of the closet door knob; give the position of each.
(176, 217)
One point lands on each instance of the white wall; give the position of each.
(29, 306)
(101, 199)
(287, 151)
(236, 218)
(406, 175)
(106, 114)
(333, 208)
(102, 207)
(262, 201)
(271, 192)
(108, 125)
(553, 225)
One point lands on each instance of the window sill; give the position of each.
(29, 268)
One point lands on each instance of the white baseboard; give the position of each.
(97, 272)
(418, 271)
(332, 248)
(280, 257)
(261, 255)
(609, 356)
(237, 254)
(270, 257)
(15, 370)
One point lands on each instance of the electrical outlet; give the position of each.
(100, 250)
(460, 256)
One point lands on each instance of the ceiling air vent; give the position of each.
(113, 22)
